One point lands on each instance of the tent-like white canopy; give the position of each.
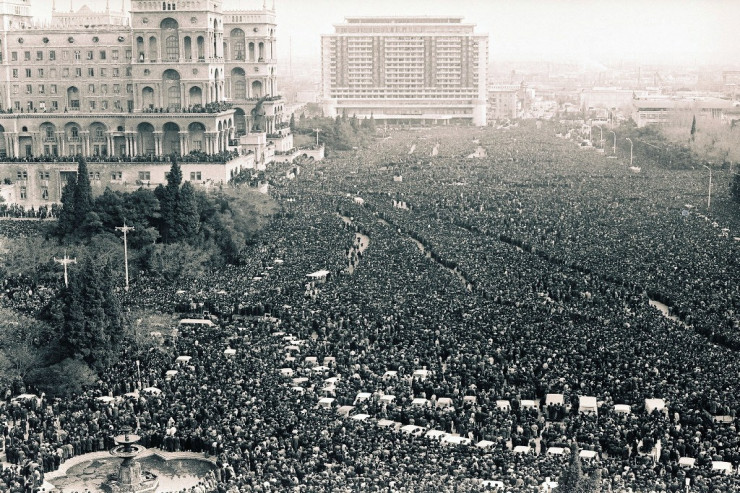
(106, 399)
(470, 398)
(329, 359)
(503, 404)
(385, 423)
(390, 374)
(362, 396)
(287, 372)
(522, 449)
(555, 451)
(413, 430)
(300, 380)
(345, 410)
(725, 467)
(436, 434)
(421, 374)
(485, 444)
(587, 404)
(170, 373)
(319, 274)
(310, 360)
(686, 461)
(320, 368)
(152, 390)
(326, 402)
(587, 454)
(554, 399)
(622, 408)
(420, 401)
(388, 398)
(652, 404)
(456, 440)
(360, 417)
(529, 404)
(229, 351)
(444, 402)
(183, 359)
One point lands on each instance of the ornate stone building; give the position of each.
(175, 77)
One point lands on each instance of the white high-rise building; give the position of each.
(428, 70)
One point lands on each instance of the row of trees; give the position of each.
(341, 133)
(176, 227)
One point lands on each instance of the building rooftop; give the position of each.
(417, 19)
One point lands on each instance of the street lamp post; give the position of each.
(709, 194)
(317, 130)
(614, 149)
(125, 229)
(630, 141)
(65, 261)
(601, 139)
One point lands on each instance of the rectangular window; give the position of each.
(78, 72)
(15, 73)
(89, 55)
(90, 72)
(128, 71)
(116, 175)
(91, 88)
(101, 72)
(104, 105)
(116, 72)
(78, 55)
(65, 55)
(23, 192)
(102, 54)
(104, 88)
(14, 56)
(39, 56)
(128, 54)
(195, 176)
(197, 145)
(41, 89)
(129, 88)
(117, 104)
(92, 105)
(28, 73)
(29, 89)
(45, 193)
(116, 88)
(27, 56)
(41, 73)
(53, 89)
(44, 175)
(52, 55)
(55, 105)
(15, 88)
(114, 54)
(17, 105)
(144, 175)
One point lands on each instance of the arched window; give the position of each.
(173, 97)
(172, 48)
(240, 89)
(238, 49)
(74, 132)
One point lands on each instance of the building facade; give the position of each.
(406, 69)
(176, 77)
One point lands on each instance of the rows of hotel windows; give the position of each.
(77, 55)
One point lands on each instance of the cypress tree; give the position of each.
(83, 200)
(187, 217)
(693, 129)
(168, 199)
(66, 223)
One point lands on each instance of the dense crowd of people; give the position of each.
(507, 279)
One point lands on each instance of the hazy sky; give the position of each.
(584, 31)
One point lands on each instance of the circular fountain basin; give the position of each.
(173, 474)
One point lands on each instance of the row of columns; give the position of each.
(211, 91)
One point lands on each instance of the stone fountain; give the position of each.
(130, 478)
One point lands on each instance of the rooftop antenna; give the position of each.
(107, 5)
(70, 6)
(53, 5)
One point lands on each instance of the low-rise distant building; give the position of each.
(503, 102)
(658, 111)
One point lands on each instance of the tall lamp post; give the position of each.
(601, 139)
(709, 194)
(125, 229)
(614, 149)
(317, 130)
(65, 261)
(630, 140)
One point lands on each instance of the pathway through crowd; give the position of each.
(362, 241)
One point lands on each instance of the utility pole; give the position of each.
(709, 194)
(65, 261)
(630, 141)
(125, 230)
(317, 130)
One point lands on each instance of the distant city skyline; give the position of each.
(592, 34)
